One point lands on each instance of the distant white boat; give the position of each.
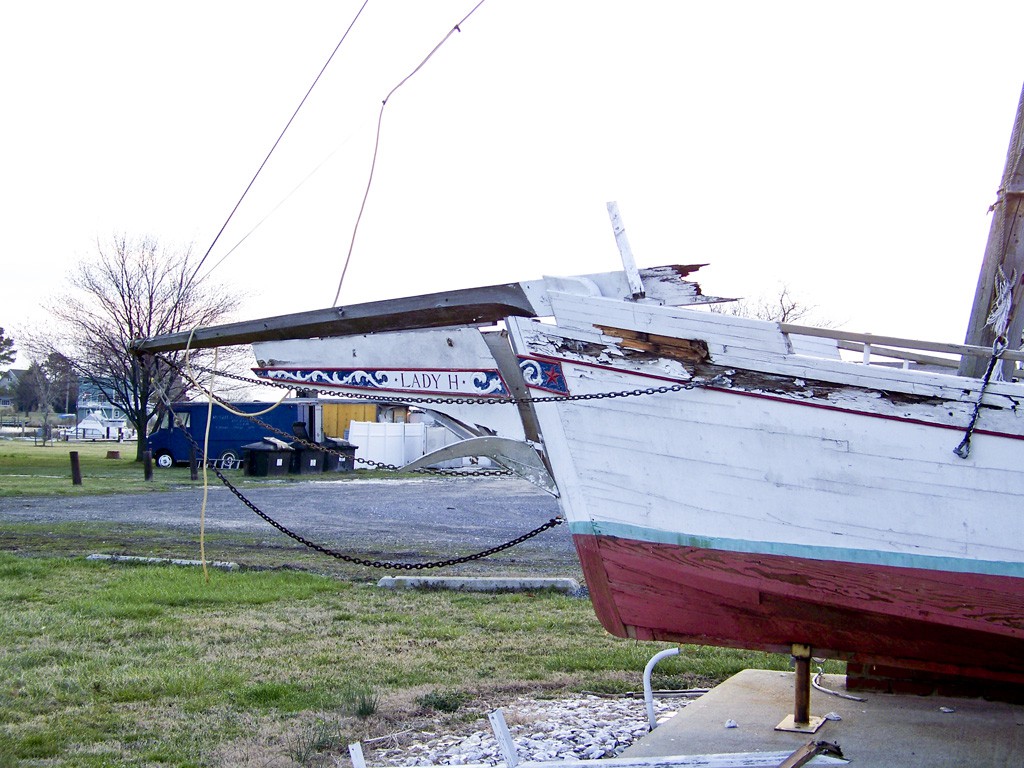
(96, 426)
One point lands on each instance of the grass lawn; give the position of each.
(129, 665)
(27, 469)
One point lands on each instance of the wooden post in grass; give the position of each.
(193, 464)
(147, 464)
(76, 469)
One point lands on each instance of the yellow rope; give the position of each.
(206, 476)
(227, 406)
(206, 448)
(190, 375)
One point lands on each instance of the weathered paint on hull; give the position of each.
(935, 621)
(780, 494)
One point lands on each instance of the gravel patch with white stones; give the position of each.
(588, 727)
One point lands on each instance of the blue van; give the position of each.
(228, 431)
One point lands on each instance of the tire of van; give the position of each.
(229, 459)
(164, 460)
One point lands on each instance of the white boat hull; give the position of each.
(777, 496)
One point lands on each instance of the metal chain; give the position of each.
(998, 347)
(383, 564)
(376, 464)
(963, 450)
(369, 462)
(391, 467)
(461, 400)
(429, 401)
(384, 466)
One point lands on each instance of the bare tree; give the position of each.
(779, 308)
(133, 289)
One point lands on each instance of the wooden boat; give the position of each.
(783, 495)
(727, 481)
(731, 481)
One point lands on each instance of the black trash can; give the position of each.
(341, 457)
(306, 460)
(264, 459)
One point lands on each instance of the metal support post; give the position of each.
(802, 704)
(801, 721)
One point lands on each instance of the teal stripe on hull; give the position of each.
(809, 552)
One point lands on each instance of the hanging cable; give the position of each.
(189, 374)
(276, 142)
(273, 210)
(376, 145)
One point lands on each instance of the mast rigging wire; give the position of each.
(273, 210)
(276, 142)
(376, 144)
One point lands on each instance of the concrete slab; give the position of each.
(224, 566)
(883, 731)
(480, 584)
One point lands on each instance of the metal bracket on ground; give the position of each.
(515, 455)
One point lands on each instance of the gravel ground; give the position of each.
(578, 728)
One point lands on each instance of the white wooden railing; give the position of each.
(908, 350)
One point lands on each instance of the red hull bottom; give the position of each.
(947, 624)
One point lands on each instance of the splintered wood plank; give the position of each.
(687, 350)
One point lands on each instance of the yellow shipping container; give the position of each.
(337, 416)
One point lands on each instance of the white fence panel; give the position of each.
(387, 442)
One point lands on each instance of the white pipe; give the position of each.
(648, 693)
(355, 751)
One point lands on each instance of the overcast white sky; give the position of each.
(848, 150)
